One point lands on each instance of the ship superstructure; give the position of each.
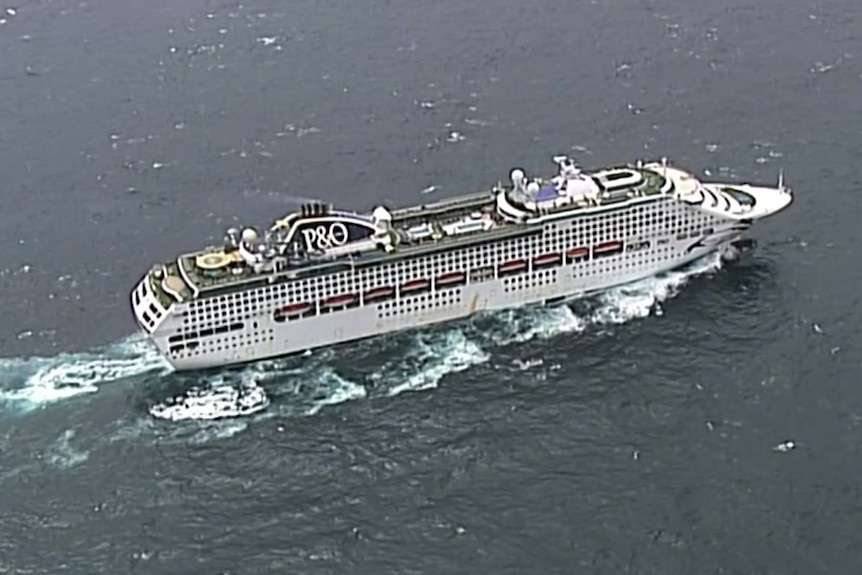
(322, 276)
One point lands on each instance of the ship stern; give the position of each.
(147, 309)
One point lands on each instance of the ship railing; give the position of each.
(473, 200)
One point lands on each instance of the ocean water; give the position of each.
(704, 421)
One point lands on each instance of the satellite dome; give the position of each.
(517, 176)
(249, 235)
(533, 187)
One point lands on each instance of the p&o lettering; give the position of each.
(325, 236)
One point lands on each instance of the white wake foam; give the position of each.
(63, 454)
(336, 389)
(522, 325)
(307, 389)
(29, 383)
(432, 357)
(643, 298)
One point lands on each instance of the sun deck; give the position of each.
(342, 240)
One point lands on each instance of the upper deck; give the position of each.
(320, 240)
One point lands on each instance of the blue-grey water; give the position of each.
(632, 433)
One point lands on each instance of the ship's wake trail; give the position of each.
(384, 366)
(30, 383)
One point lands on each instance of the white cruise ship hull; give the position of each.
(550, 286)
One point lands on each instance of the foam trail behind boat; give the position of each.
(30, 383)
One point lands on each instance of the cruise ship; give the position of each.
(323, 276)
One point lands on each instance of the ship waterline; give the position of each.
(321, 276)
